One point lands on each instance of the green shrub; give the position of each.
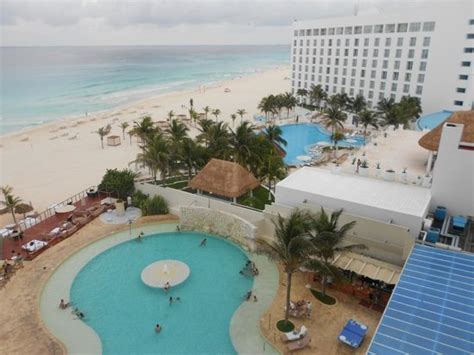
(138, 198)
(118, 182)
(153, 206)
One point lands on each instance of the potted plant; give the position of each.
(404, 175)
(364, 168)
(390, 175)
(119, 207)
(378, 170)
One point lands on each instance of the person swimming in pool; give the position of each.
(157, 328)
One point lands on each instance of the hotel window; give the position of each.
(315, 42)
(424, 54)
(412, 41)
(353, 82)
(419, 90)
(321, 61)
(393, 96)
(400, 41)
(315, 51)
(326, 88)
(339, 30)
(321, 51)
(362, 73)
(338, 51)
(327, 79)
(361, 92)
(374, 63)
(295, 33)
(461, 90)
(371, 94)
(331, 31)
(378, 28)
(390, 28)
(354, 62)
(301, 42)
(372, 84)
(336, 71)
(320, 78)
(299, 75)
(385, 64)
(312, 77)
(368, 29)
(398, 53)
(384, 75)
(307, 51)
(295, 43)
(347, 42)
(301, 32)
(422, 66)
(364, 63)
(357, 30)
(426, 41)
(388, 42)
(335, 80)
(313, 69)
(395, 75)
(351, 92)
(415, 27)
(328, 70)
(376, 53)
(407, 77)
(330, 51)
(458, 103)
(323, 32)
(308, 42)
(469, 50)
(343, 90)
(337, 61)
(397, 65)
(344, 71)
(362, 83)
(316, 31)
(421, 78)
(411, 53)
(306, 77)
(428, 26)
(330, 42)
(409, 65)
(470, 36)
(373, 74)
(346, 52)
(322, 42)
(394, 87)
(338, 42)
(348, 30)
(381, 96)
(463, 77)
(366, 42)
(346, 61)
(301, 51)
(353, 72)
(471, 21)
(328, 61)
(356, 52)
(465, 64)
(386, 53)
(377, 42)
(294, 67)
(369, 104)
(402, 27)
(343, 81)
(308, 32)
(406, 88)
(356, 42)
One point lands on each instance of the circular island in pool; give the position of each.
(160, 273)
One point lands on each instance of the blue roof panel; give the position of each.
(431, 310)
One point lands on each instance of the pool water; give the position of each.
(432, 120)
(301, 136)
(123, 310)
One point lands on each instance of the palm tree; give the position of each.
(290, 246)
(144, 128)
(205, 127)
(326, 240)
(336, 137)
(335, 117)
(170, 115)
(218, 138)
(387, 108)
(206, 110)
(274, 135)
(411, 108)
(368, 118)
(290, 102)
(124, 126)
(272, 170)
(155, 155)
(241, 112)
(267, 105)
(216, 112)
(102, 132)
(192, 155)
(176, 131)
(233, 117)
(358, 104)
(317, 94)
(302, 93)
(11, 202)
(241, 141)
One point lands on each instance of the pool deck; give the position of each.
(22, 331)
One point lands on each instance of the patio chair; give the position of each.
(294, 335)
(300, 344)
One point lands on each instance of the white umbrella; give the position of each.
(303, 157)
(323, 144)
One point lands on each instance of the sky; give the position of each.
(164, 22)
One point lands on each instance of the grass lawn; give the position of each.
(326, 299)
(259, 199)
(285, 326)
(179, 185)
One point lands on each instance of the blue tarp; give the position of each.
(353, 333)
(431, 310)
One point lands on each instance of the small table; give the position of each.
(65, 209)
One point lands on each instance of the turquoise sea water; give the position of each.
(123, 311)
(40, 84)
(301, 136)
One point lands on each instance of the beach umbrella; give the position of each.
(303, 157)
(23, 208)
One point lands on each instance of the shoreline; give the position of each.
(124, 106)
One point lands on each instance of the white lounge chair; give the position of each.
(294, 335)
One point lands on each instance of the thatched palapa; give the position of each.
(431, 139)
(224, 178)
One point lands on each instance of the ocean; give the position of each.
(42, 84)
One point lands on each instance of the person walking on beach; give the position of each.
(358, 165)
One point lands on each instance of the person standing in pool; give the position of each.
(158, 328)
(203, 242)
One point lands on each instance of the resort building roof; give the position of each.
(224, 178)
(431, 310)
(431, 139)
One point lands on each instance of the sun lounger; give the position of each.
(300, 344)
(294, 335)
(34, 245)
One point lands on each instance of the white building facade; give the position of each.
(428, 53)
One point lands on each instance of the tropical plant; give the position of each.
(216, 112)
(316, 95)
(240, 143)
(268, 105)
(170, 115)
(154, 206)
(241, 112)
(326, 240)
(192, 156)
(124, 126)
(218, 138)
(138, 198)
(144, 128)
(273, 169)
(118, 182)
(102, 132)
(290, 246)
(274, 135)
(155, 155)
(358, 104)
(176, 132)
(302, 93)
(233, 117)
(289, 102)
(206, 110)
(191, 103)
(336, 138)
(205, 125)
(11, 201)
(335, 117)
(368, 118)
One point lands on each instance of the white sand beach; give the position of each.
(46, 164)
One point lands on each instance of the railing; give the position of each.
(51, 211)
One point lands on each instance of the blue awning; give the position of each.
(431, 310)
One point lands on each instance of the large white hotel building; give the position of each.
(427, 53)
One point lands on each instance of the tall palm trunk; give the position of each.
(324, 284)
(13, 215)
(288, 290)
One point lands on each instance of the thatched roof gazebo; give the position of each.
(224, 178)
(430, 140)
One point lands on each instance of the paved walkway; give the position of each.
(21, 328)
